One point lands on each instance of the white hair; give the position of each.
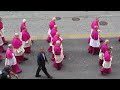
(9, 45)
(54, 18)
(106, 40)
(16, 34)
(24, 20)
(57, 42)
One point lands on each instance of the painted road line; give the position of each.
(71, 36)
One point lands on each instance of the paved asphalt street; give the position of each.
(78, 63)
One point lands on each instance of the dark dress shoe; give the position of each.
(37, 75)
(50, 77)
(3, 51)
(25, 59)
(20, 62)
(32, 41)
(6, 43)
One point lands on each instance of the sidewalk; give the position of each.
(37, 22)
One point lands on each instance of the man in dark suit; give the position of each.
(41, 59)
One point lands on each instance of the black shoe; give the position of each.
(58, 68)
(37, 75)
(32, 41)
(102, 73)
(20, 62)
(96, 53)
(3, 51)
(64, 56)
(50, 77)
(6, 43)
(25, 59)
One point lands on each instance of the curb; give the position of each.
(71, 36)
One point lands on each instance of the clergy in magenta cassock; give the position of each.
(96, 23)
(103, 49)
(51, 26)
(11, 60)
(53, 33)
(2, 32)
(94, 45)
(56, 38)
(1, 44)
(22, 26)
(106, 66)
(18, 48)
(58, 55)
(26, 39)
